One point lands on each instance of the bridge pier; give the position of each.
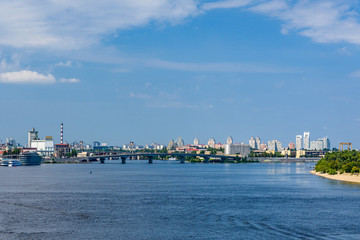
(150, 159)
(182, 159)
(206, 159)
(102, 160)
(123, 160)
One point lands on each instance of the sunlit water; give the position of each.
(169, 200)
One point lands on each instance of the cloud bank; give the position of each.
(69, 24)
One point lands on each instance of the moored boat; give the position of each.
(30, 158)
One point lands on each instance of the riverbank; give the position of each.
(346, 177)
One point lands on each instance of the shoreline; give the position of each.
(345, 177)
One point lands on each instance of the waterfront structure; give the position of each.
(196, 141)
(298, 142)
(62, 149)
(229, 140)
(242, 149)
(306, 141)
(211, 143)
(44, 147)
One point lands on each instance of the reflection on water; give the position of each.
(168, 200)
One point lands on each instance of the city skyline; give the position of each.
(150, 71)
(254, 142)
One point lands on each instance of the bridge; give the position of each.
(150, 156)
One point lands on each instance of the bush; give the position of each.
(332, 171)
(342, 171)
(355, 170)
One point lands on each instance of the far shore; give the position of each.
(346, 177)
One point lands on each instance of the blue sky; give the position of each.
(150, 71)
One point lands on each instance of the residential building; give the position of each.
(298, 142)
(306, 141)
(229, 140)
(196, 141)
(211, 143)
(242, 149)
(252, 143)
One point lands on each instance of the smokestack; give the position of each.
(61, 135)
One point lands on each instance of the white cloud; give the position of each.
(322, 21)
(226, 4)
(69, 80)
(64, 64)
(26, 76)
(68, 24)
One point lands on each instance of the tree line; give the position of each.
(342, 162)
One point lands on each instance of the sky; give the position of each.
(148, 71)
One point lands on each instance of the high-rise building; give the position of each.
(32, 135)
(252, 142)
(229, 140)
(96, 144)
(196, 141)
(272, 146)
(258, 143)
(306, 141)
(211, 143)
(298, 142)
(291, 145)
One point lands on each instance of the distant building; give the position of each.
(263, 146)
(252, 142)
(32, 135)
(258, 143)
(44, 147)
(291, 145)
(229, 140)
(242, 149)
(96, 144)
(298, 142)
(211, 143)
(320, 144)
(62, 149)
(272, 146)
(196, 141)
(306, 141)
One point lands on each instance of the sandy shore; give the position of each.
(347, 177)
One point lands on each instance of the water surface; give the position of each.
(168, 200)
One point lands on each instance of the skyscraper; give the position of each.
(196, 141)
(252, 142)
(257, 142)
(298, 142)
(306, 140)
(229, 140)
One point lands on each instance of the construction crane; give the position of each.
(341, 146)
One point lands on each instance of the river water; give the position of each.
(169, 200)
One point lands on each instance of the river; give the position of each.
(169, 200)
